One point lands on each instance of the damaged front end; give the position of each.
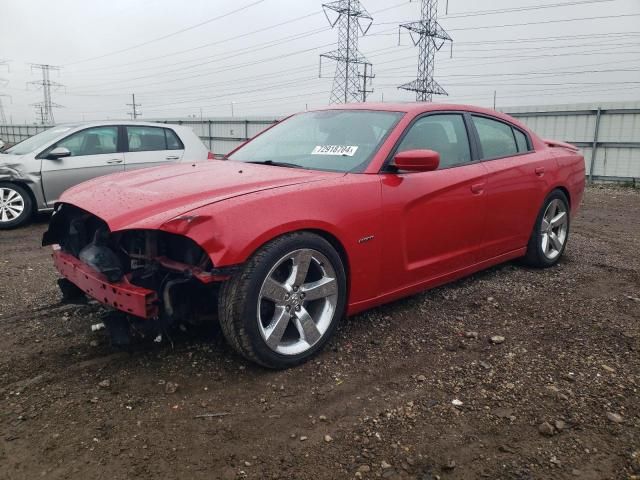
(146, 274)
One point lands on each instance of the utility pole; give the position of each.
(3, 117)
(365, 77)
(3, 82)
(429, 37)
(494, 99)
(40, 113)
(353, 20)
(134, 113)
(45, 108)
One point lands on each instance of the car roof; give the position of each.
(77, 125)
(417, 108)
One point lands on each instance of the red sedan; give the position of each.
(325, 214)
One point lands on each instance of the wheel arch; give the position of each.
(559, 188)
(320, 230)
(564, 190)
(324, 233)
(32, 196)
(335, 243)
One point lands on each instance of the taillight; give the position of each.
(210, 156)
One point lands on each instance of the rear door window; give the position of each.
(496, 138)
(146, 139)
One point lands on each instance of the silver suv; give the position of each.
(35, 172)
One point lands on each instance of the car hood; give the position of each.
(5, 158)
(148, 198)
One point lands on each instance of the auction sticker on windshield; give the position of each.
(347, 150)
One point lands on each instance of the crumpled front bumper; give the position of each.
(121, 295)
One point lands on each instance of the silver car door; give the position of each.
(151, 146)
(94, 152)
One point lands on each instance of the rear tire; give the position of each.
(550, 232)
(286, 302)
(16, 206)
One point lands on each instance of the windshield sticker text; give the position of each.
(347, 150)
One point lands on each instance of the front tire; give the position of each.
(286, 302)
(550, 233)
(16, 206)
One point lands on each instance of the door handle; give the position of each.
(115, 160)
(539, 171)
(477, 188)
(173, 157)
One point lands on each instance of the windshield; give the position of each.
(333, 140)
(39, 140)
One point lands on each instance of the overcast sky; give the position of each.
(109, 50)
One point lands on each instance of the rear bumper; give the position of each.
(122, 295)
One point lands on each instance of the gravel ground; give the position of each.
(415, 389)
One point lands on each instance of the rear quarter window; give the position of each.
(173, 142)
(521, 141)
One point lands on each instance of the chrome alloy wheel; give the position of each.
(297, 301)
(11, 204)
(553, 230)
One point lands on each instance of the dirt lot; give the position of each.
(376, 403)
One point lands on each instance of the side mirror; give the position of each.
(417, 160)
(58, 152)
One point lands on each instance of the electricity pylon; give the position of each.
(45, 108)
(352, 20)
(429, 36)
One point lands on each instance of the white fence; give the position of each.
(608, 134)
(219, 135)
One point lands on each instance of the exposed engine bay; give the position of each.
(173, 266)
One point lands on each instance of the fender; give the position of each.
(269, 214)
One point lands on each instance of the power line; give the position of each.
(511, 10)
(288, 83)
(232, 67)
(298, 81)
(286, 72)
(298, 69)
(482, 27)
(216, 71)
(219, 41)
(551, 39)
(524, 8)
(115, 52)
(512, 59)
(304, 97)
(200, 64)
(228, 54)
(219, 70)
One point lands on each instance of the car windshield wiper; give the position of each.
(278, 164)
